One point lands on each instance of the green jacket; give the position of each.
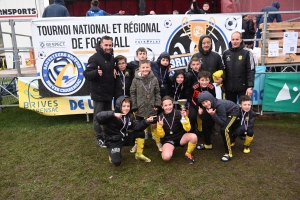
(144, 93)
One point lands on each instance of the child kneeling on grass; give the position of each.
(116, 127)
(173, 131)
(245, 123)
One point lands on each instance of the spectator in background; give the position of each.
(249, 32)
(152, 12)
(56, 10)
(175, 12)
(271, 17)
(205, 7)
(96, 11)
(194, 9)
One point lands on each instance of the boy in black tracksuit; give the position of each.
(206, 123)
(116, 127)
(123, 79)
(224, 113)
(245, 123)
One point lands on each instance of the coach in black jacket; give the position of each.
(239, 69)
(99, 72)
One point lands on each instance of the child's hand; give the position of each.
(211, 111)
(151, 119)
(183, 113)
(119, 115)
(99, 71)
(160, 121)
(200, 111)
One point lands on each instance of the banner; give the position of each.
(30, 99)
(259, 82)
(64, 45)
(282, 92)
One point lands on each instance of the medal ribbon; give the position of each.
(124, 124)
(147, 90)
(176, 92)
(246, 122)
(172, 121)
(162, 77)
(123, 80)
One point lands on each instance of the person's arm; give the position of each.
(91, 71)
(196, 8)
(252, 117)
(133, 95)
(157, 102)
(220, 116)
(250, 70)
(258, 19)
(251, 27)
(44, 13)
(139, 125)
(104, 117)
(278, 18)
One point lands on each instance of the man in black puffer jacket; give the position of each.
(239, 69)
(100, 73)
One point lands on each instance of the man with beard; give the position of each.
(100, 73)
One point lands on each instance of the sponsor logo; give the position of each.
(53, 44)
(147, 41)
(182, 47)
(62, 73)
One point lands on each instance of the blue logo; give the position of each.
(62, 73)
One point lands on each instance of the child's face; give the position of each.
(145, 69)
(164, 62)
(167, 106)
(141, 55)
(180, 79)
(125, 107)
(203, 82)
(195, 65)
(245, 106)
(122, 64)
(206, 104)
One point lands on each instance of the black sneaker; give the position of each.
(101, 143)
(189, 158)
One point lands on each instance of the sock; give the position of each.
(191, 147)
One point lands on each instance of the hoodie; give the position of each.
(144, 92)
(224, 108)
(56, 10)
(211, 61)
(117, 129)
(271, 17)
(161, 73)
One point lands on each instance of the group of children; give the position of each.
(146, 95)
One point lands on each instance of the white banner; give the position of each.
(63, 45)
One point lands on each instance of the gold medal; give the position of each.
(123, 88)
(247, 118)
(171, 132)
(162, 86)
(148, 96)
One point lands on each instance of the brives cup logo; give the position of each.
(62, 73)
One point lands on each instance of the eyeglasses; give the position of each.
(122, 63)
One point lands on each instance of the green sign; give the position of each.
(282, 92)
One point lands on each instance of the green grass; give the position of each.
(57, 158)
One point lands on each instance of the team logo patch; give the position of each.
(240, 57)
(227, 57)
(62, 73)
